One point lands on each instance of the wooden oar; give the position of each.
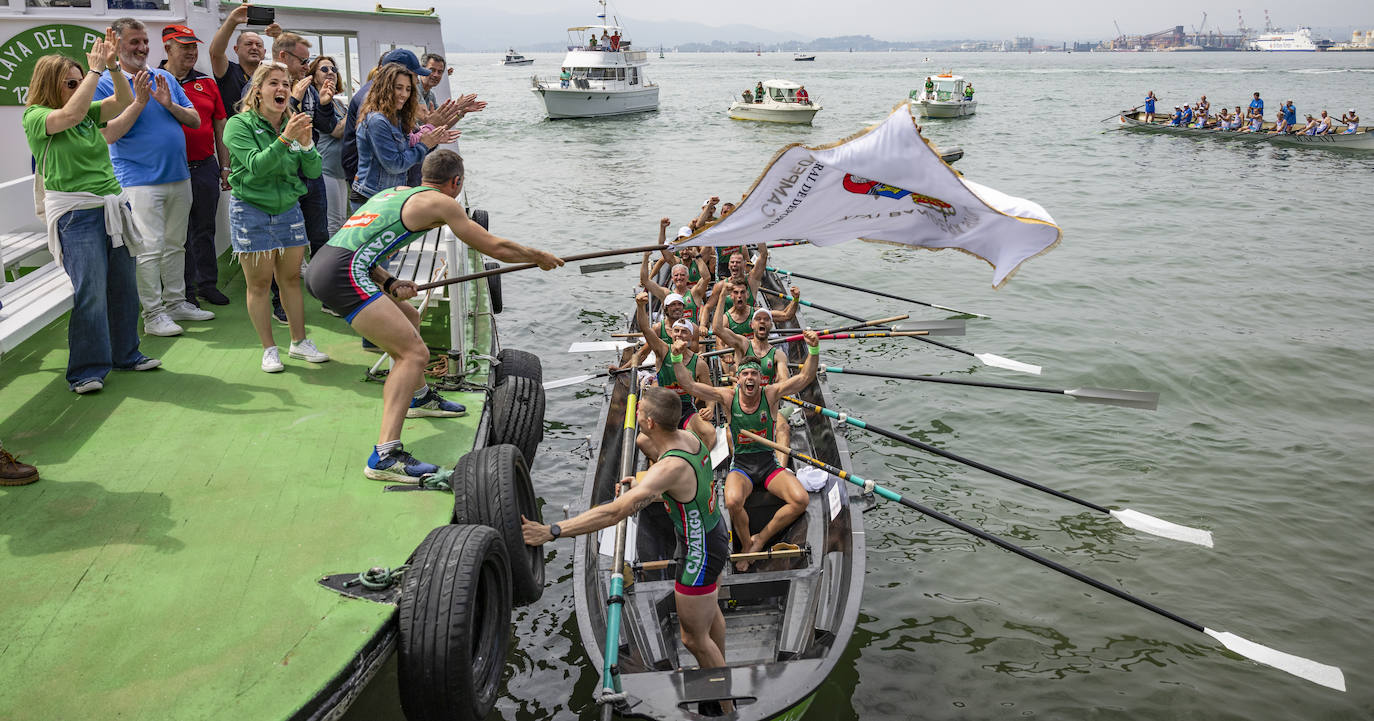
(1147, 400)
(527, 266)
(1122, 112)
(1320, 673)
(1129, 518)
(830, 336)
(873, 292)
(574, 380)
(615, 599)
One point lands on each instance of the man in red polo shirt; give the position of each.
(205, 156)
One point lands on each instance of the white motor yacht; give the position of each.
(606, 76)
(514, 58)
(779, 103)
(947, 100)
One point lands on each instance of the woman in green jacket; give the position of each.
(268, 150)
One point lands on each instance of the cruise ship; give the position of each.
(1299, 40)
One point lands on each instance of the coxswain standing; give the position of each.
(1150, 101)
(348, 278)
(753, 464)
(683, 478)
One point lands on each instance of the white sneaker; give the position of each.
(181, 310)
(161, 324)
(306, 351)
(271, 360)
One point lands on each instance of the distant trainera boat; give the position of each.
(779, 105)
(514, 58)
(608, 77)
(947, 99)
(1361, 139)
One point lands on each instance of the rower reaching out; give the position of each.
(681, 477)
(753, 464)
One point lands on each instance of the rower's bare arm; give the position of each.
(790, 312)
(646, 277)
(668, 256)
(760, 267)
(641, 495)
(646, 327)
(802, 379)
(437, 206)
(701, 391)
(704, 282)
(723, 332)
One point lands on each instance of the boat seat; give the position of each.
(418, 261)
(23, 249)
(31, 301)
(24, 240)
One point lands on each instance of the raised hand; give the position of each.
(663, 223)
(141, 87)
(298, 129)
(679, 346)
(450, 135)
(95, 59)
(327, 92)
(272, 31)
(299, 88)
(434, 136)
(796, 292)
(812, 339)
(642, 298)
(239, 15)
(162, 91)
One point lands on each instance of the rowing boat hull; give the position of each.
(787, 622)
(1362, 140)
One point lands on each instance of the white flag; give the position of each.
(884, 184)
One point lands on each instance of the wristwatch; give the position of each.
(555, 531)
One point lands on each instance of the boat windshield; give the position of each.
(783, 95)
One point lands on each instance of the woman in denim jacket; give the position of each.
(385, 148)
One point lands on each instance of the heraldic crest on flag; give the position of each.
(884, 184)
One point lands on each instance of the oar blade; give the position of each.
(960, 312)
(998, 361)
(1148, 400)
(721, 450)
(1164, 529)
(1306, 668)
(936, 327)
(565, 382)
(598, 267)
(599, 345)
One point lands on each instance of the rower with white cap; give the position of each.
(1351, 120)
(681, 330)
(691, 293)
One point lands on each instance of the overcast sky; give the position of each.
(894, 20)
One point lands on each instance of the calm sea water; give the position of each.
(1232, 279)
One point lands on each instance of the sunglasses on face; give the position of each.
(72, 84)
(328, 69)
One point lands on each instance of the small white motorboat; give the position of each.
(951, 97)
(783, 101)
(514, 58)
(804, 57)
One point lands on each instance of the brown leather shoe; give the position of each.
(14, 473)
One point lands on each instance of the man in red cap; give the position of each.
(205, 157)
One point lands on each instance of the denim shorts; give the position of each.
(251, 230)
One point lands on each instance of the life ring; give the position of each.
(454, 619)
(492, 487)
(517, 415)
(515, 362)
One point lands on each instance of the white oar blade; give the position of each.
(591, 346)
(935, 327)
(564, 382)
(1320, 673)
(998, 361)
(1148, 400)
(721, 450)
(1162, 528)
(960, 312)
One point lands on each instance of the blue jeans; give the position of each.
(103, 330)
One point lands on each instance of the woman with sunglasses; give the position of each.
(324, 75)
(86, 216)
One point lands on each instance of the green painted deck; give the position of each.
(165, 565)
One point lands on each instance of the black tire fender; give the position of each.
(494, 288)
(515, 362)
(482, 218)
(454, 620)
(492, 487)
(517, 416)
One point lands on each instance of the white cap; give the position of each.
(763, 311)
(683, 232)
(706, 202)
(684, 323)
(672, 298)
